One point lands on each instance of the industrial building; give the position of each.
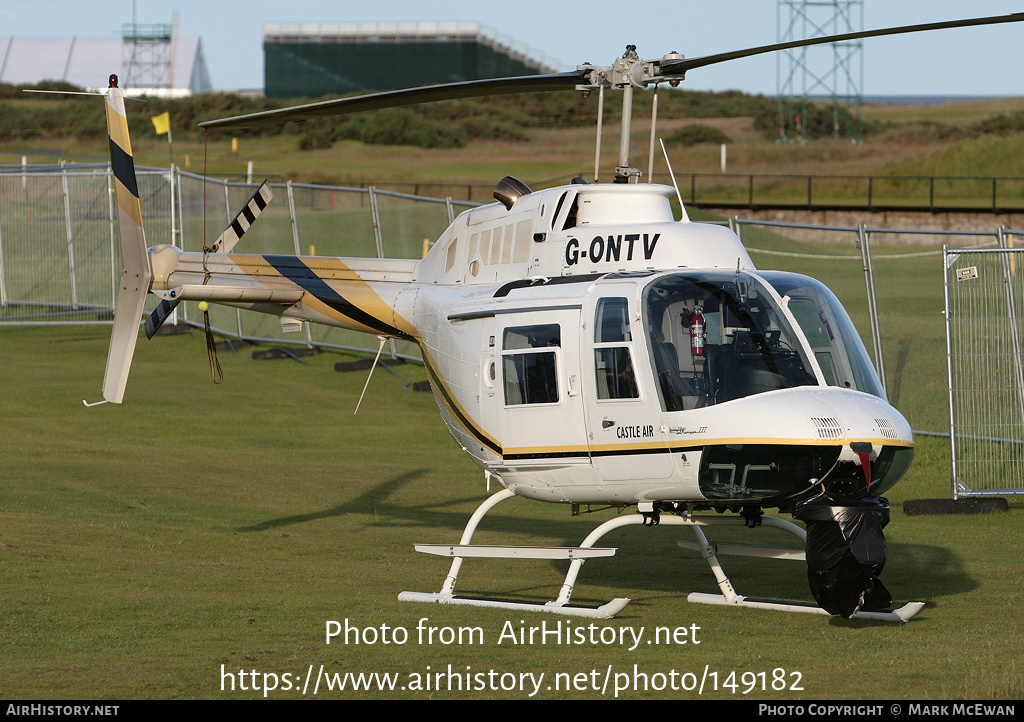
(315, 59)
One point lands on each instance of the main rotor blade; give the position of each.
(673, 67)
(410, 96)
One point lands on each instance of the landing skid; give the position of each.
(587, 550)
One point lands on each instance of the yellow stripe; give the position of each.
(343, 280)
(320, 307)
(695, 444)
(447, 398)
(117, 128)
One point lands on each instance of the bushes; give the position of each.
(1002, 124)
(695, 134)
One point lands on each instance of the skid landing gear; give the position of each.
(577, 555)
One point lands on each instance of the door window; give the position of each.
(530, 364)
(613, 364)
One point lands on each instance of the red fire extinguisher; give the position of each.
(697, 332)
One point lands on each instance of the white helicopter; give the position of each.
(587, 348)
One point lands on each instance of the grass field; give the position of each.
(200, 529)
(159, 549)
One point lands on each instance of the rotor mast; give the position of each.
(625, 74)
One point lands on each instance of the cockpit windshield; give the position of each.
(830, 333)
(715, 337)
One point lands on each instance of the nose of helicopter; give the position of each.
(780, 441)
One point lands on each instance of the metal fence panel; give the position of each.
(891, 293)
(984, 305)
(59, 264)
(59, 259)
(312, 220)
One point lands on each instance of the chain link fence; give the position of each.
(59, 257)
(59, 264)
(984, 297)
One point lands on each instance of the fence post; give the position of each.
(869, 284)
(180, 241)
(378, 237)
(227, 211)
(450, 209)
(3, 275)
(293, 219)
(114, 245)
(378, 234)
(175, 228)
(947, 261)
(1011, 314)
(69, 232)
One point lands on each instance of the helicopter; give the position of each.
(587, 348)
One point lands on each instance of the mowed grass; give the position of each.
(143, 546)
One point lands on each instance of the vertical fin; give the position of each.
(137, 276)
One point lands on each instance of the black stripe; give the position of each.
(607, 452)
(439, 388)
(535, 282)
(249, 215)
(545, 455)
(258, 197)
(237, 228)
(124, 168)
(295, 270)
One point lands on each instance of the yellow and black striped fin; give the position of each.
(137, 276)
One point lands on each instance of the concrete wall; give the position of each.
(988, 222)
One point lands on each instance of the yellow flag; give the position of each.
(162, 123)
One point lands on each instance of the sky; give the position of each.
(964, 61)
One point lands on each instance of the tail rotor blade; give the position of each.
(225, 243)
(161, 314)
(245, 218)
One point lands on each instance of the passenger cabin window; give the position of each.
(613, 364)
(530, 365)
